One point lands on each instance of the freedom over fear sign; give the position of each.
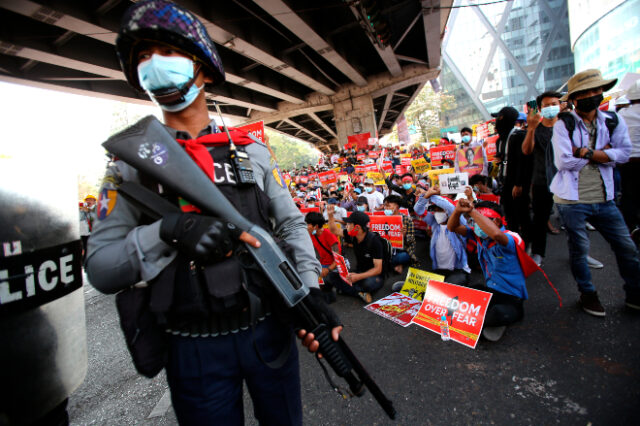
(389, 228)
(464, 309)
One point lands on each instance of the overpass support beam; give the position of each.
(353, 116)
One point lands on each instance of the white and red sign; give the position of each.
(341, 266)
(464, 309)
(396, 307)
(328, 178)
(255, 129)
(389, 228)
(442, 152)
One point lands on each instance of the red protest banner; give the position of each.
(359, 168)
(361, 157)
(387, 167)
(305, 210)
(489, 197)
(491, 147)
(442, 152)
(304, 179)
(464, 309)
(341, 266)
(370, 168)
(360, 140)
(395, 307)
(374, 154)
(482, 131)
(405, 161)
(389, 228)
(256, 129)
(419, 224)
(400, 170)
(327, 178)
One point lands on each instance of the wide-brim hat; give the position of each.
(588, 79)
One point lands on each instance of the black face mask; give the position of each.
(590, 103)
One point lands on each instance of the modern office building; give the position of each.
(606, 35)
(504, 53)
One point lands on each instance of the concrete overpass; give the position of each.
(316, 70)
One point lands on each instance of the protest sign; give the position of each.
(387, 167)
(404, 211)
(372, 141)
(435, 174)
(415, 285)
(491, 148)
(327, 178)
(405, 161)
(453, 183)
(255, 129)
(419, 224)
(304, 179)
(370, 168)
(482, 131)
(361, 157)
(305, 210)
(359, 168)
(341, 267)
(463, 307)
(361, 141)
(373, 154)
(470, 160)
(389, 228)
(489, 197)
(420, 165)
(396, 307)
(400, 170)
(442, 152)
(377, 177)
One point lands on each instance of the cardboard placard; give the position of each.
(360, 140)
(255, 129)
(470, 160)
(415, 285)
(377, 177)
(396, 307)
(453, 183)
(389, 228)
(464, 309)
(341, 267)
(405, 161)
(434, 174)
(492, 147)
(420, 165)
(328, 178)
(438, 153)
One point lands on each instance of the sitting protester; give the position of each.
(447, 250)
(339, 212)
(362, 204)
(408, 255)
(367, 278)
(500, 263)
(325, 244)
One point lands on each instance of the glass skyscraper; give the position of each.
(503, 54)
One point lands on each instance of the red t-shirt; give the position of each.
(327, 239)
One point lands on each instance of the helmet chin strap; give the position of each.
(173, 95)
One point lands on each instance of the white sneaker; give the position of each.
(397, 286)
(590, 227)
(537, 258)
(593, 263)
(493, 334)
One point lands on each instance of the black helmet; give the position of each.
(165, 22)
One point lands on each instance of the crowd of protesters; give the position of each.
(565, 152)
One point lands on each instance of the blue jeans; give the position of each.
(205, 375)
(606, 218)
(400, 258)
(368, 285)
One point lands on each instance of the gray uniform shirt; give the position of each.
(121, 253)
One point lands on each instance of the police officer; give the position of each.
(222, 319)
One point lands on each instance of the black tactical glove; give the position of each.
(321, 310)
(202, 237)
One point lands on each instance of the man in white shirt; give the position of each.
(630, 172)
(375, 199)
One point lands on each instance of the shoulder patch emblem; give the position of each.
(278, 177)
(106, 202)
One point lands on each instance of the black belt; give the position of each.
(220, 324)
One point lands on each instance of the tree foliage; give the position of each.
(425, 111)
(291, 152)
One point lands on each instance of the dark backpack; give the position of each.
(569, 120)
(387, 254)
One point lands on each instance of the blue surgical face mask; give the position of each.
(368, 188)
(388, 212)
(479, 232)
(550, 111)
(161, 72)
(466, 139)
(360, 208)
(406, 186)
(314, 232)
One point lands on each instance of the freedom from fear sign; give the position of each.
(463, 307)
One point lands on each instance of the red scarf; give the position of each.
(197, 148)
